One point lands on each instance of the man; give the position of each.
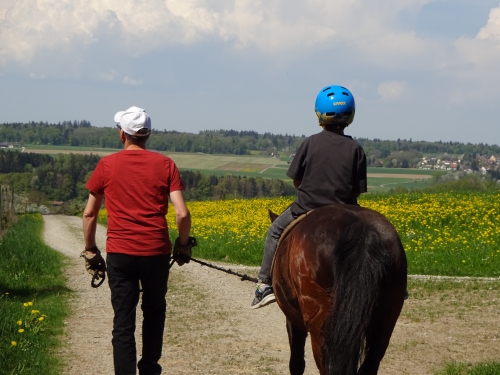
(328, 168)
(136, 184)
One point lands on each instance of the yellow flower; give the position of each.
(30, 303)
(6, 292)
(25, 304)
(14, 343)
(35, 311)
(21, 330)
(41, 318)
(19, 322)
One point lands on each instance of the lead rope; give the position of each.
(243, 277)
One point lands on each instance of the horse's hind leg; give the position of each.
(378, 339)
(297, 340)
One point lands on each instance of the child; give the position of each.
(328, 168)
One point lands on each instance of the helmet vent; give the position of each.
(331, 114)
(326, 88)
(330, 94)
(344, 93)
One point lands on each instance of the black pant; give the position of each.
(124, 274)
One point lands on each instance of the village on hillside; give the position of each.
(481, 163)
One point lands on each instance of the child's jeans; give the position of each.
(273, 236)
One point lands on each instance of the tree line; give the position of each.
(44, 178)
(203, 187)
(82, 133)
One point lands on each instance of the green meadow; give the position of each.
(33, 300)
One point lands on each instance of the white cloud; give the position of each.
(5, 5)
(75, 38)
(392, 90)
(131, 81)
(133, 26)
(476, 60)
(108, 76)
(492, 28)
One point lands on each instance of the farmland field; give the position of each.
(379, 179)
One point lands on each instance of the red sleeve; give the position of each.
(175, 178)
(96, 181)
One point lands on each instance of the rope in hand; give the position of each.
(95, 277)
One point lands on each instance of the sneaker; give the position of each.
(407, 295)
(263, 297)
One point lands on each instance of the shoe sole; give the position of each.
(265, 301)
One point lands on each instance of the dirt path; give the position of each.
(210, 328)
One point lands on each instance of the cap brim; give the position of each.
(119, 115)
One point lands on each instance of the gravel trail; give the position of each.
(211, 329)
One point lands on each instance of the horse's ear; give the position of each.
(272, 215)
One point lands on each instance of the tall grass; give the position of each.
(33, 300)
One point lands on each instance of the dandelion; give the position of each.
(35, 311)
(14, 343)
(25, 304)
(41, 318)
(463, 261)
(446, 222)
(21, 330)
(30, 303)
(7, 293)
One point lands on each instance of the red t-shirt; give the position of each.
(136, 185)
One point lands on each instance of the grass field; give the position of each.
(33, 300)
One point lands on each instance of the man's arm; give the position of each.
(90, 215)
(297, 183)
(182, 216)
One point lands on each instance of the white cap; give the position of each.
(132, 120)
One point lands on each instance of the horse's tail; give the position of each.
(359, 268)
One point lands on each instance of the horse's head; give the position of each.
(272, 215)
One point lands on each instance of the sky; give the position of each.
(418, 69)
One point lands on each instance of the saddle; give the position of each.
(285, 233)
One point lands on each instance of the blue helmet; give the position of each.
(335, 105)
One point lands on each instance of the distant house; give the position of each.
(6, 145)
(57, 203)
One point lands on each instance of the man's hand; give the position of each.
(182, 253)
(94, 262)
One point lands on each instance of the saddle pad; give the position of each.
(285, 233)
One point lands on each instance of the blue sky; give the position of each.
(419, 69)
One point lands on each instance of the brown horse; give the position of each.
(340, 274)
